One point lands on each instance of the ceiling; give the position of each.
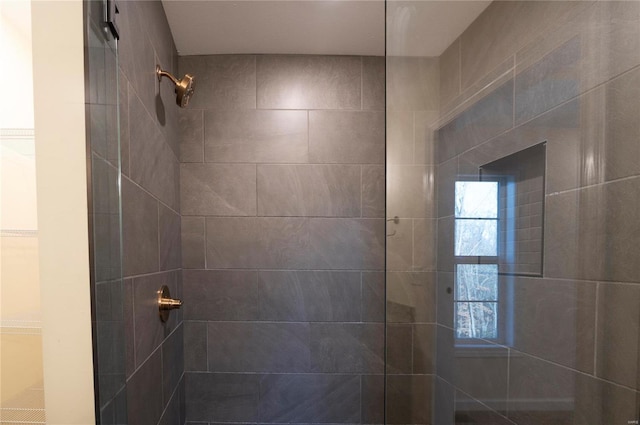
(330, 27)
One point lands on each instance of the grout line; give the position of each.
(595, 333)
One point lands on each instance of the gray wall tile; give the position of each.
(221, 397)
(373, 82)
(193, 242)
(309, 82)
(191, 127)
(413, 83)
(220, 295)
(411, 190)
(172, 363)
(372, 399)
(218, 189)
(294, 243)
(409, 399)
(309, 296)
(337, 347)
(484, 377)
(144, 392)
(309, 190)
(150, 331)
(399, 349)
(256, 136)
(258, 347)
(346, 137)
(373, 296)
(169, 238)
(411, 297)
(373, 191)
(487, 118)
(223, 81)
(195, 346)
(139, 230)
(549, 82)
(309, 398)
(450, 73)
(154, 165)
(424, 344)
(618, 336)
(555, 320)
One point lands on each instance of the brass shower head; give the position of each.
(184, 87)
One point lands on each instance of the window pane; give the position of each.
(476, 320)
(477, 282)
(476, 238)
(476, 199)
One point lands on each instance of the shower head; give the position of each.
(184, 87)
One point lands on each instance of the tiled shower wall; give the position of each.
(282, 200)
(150, 214)
(566, 73)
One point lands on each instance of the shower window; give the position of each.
(476, 252)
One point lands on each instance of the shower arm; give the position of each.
(162, 73)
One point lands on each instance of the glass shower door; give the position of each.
(512, 168)
(101, 68)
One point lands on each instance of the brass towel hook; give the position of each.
(166, 303)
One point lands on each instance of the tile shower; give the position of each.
(310, 294)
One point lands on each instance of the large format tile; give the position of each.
(373, 296)
(373, 82)
(399, 349)
(411, 191)
(424, 348)
(347, 137)
(276, 243)
(220, 295)
(144, 392)
(487, 118)
(309, 190)
(411, 297)
(150, 331)
(318, 398)
(549, 82)
(372, 399)
(542, 393)
(483, 373)
(505, 27)
(153, 164)
(373, 191)
(618, 339)
(223, 81)
(169, 238)
(400, 137)
(221, 397)
(193, 242)
(256, 136)
(413, 83)
(555, 320)
(258, 347)
(218, 189)
(139, 230)
(592, 233)
(309, 82)
(172, 363)
(136, 54)
(409, 399)
(450, 73)
(347, 348)
(191, 127)
(622, 131)
(195, 346)
(309, 296)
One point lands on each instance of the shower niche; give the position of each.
(520, 179)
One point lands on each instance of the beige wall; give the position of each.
(62, 211)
